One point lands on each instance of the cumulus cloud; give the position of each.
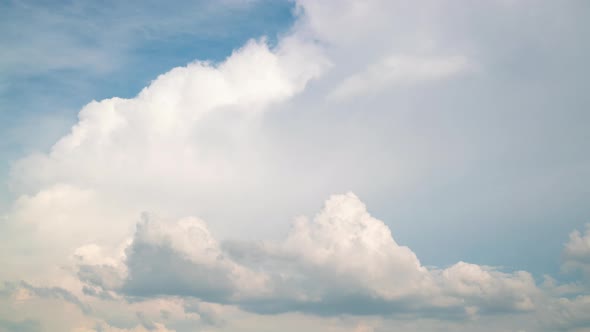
(348, 261)
(71, 220)
(151, 146)
(77, 205)
(576, 253)
(152, 135)
(568, 313)
(184, 259)
(342, 261)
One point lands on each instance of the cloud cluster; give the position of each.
(125, 155)
(211, 140)
(342, 261)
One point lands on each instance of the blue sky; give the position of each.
(244, 165)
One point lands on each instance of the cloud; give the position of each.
(70, 196)
(343, 261)
(399, 70)
(52, 293)
(139, 328)
(157, 127)
(576, 254)
(344, 239)
(236, 141)
(22, 326)
(183, 259)
(570, 314)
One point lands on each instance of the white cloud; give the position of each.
(127, 141)
(345, 254)
(343, 261)
(576, 253)
(124, 155)
(490, 289)
(399, 70)
(568, 314)
(343, 239)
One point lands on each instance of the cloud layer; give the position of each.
(170, 211)
(341, 262)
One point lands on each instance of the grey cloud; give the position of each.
(145, 321)
(56, 293)
(20, 326)
(99, 293)
(207, 313)
(159, 262)
(8, 289)
(103, 276)
(155, 270)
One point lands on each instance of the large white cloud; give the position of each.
(127, 155)
(152, 136)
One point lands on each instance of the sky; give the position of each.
(250, 165)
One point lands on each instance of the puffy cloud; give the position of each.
(481, 287)
(152, 135)
(124, 155)
(345, 246)
(568, 313)
(184, 259)
(576, 253)
(342, 261)
(190, 128)
(347, 261)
